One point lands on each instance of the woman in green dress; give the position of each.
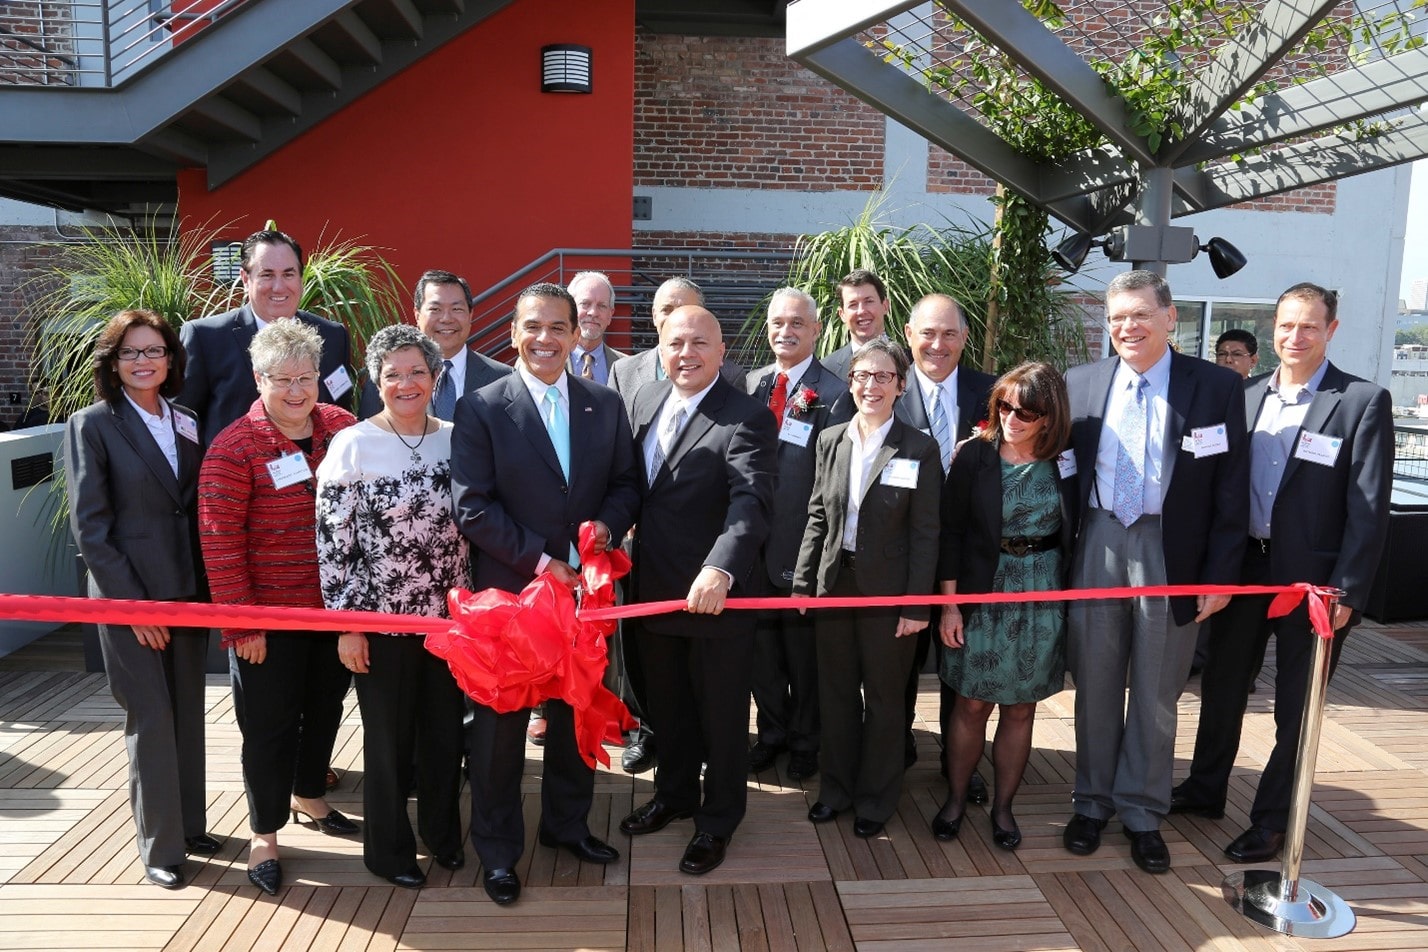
(1005, 528)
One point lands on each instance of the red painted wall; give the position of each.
(461, 162)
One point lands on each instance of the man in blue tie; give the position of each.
(532, 457)
(1159, 452)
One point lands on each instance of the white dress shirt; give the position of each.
(928, 387)
(161, 427)
(860, 472)
(1281, 417)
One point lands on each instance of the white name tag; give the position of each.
(1066, 464)
(1209, 441)
(289, 470)
(185, 427)
(1318, 448)
(901, 473)
(795, 431)
(338, 383)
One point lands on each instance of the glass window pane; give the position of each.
(1258, 319)
(1189, 322)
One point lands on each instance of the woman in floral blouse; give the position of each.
(386, 541)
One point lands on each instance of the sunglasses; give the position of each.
(1022, 413)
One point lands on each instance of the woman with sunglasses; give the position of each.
(1006, 528)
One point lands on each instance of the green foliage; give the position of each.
(1411, 335)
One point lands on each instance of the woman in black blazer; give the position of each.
(1006, 528)
(131, 470)
(872, 530)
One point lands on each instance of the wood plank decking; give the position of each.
(70, 878)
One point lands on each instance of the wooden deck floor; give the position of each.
(69, 876)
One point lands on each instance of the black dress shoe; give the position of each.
(977, 789)
(169, 877)
(1149, 851)
(587, 850)
(1006, 839)
(653, 816)
(201, 845)
(1255, 845)
(451, 861)
(704, 852)
(413, 878)
(1181, 802)
(944, 825)
(639, 755)
(821, 812)
(334, 824)
(802, 764)
(762, 756)
(1083, 834)
(267, 876)
(866, 828)
(909, 752)
(502, 885)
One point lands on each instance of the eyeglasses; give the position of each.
(156, 352)
(1140, 320)
(881, 376)
(416, 376)
(306, 381)
(1232, 354)
(1023, 414)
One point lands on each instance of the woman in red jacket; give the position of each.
(257, 519)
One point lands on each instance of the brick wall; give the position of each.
(22, 257)
(36, 43)
(719, 112)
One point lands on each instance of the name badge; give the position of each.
(338, 383)
(795, 431)
(1066, 464)
(289, 470)
(901, 473)
(186, 427)
(1318, 448)
(1206, 441)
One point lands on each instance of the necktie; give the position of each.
(779, 399)
(444, 403)
(1129, 500)
(559, 429)
(940, 431)
(664, 441)
(587, 365)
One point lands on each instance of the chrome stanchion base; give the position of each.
(1316, 914)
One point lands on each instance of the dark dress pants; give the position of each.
(929, 642)
(288, 710)
(862, 673)
(786, 680)
(495, 763)
(410, 704)
(699, 706)
(161, 693)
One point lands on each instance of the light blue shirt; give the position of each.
(600, 368)
(537, 389)
(1123, 386)
(1281, 416)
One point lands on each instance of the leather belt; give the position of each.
(849, 561)
(1259, 545)
(1024, 545)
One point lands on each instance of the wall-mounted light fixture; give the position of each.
(1150, 243)
(565, 68)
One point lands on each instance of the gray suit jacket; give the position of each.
(480, 370)
(629, 374)
(973, 390)
(611, 355)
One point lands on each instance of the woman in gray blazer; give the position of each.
(872, 530)
(131, 470)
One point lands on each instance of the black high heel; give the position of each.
(334, 824)
(1006, 839)
(267, 876)
(945, 827)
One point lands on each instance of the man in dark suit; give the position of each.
(709, 453)
(533, 456)
(805, 399)
(863, 309)
(441, 306)
(218, 384)
(945, 401)
(594, 296)
(1321, 472)
(1162, 463)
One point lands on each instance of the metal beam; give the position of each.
(172, 144)
(815, 24)
(1084, 173)
(410, 17)
(273, 90)
(228, 115)
(63, 163)
(1038, 51)
(1389, 83)
(1239, 63)
(322, 67)
(360, 35)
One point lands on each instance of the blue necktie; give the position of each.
(559, 429)
(1129, 500)
(939, 428)
(444, 404)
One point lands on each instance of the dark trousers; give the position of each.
(786, 680)
(288, 710)
(161, 693)
(862, 673)
(495, 762)
(699, 706)
(410, 706)
(1239, 635)
(929, 641)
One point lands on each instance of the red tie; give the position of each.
(779, 400)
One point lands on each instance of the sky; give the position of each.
(1415, 239)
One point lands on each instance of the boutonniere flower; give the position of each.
(804, 400)
(979, 429)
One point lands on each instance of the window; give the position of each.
(1201, 322)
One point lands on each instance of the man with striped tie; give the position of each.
(594, 296)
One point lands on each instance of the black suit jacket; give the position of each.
(480, 370)
(796, 464)
(897, 526)
(511, 499)
(973, 389)
(709, 503)
(1205, 502)
(135, 522)
(218, 378)
(1329, 523)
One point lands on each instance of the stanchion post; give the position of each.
(1282, 900)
